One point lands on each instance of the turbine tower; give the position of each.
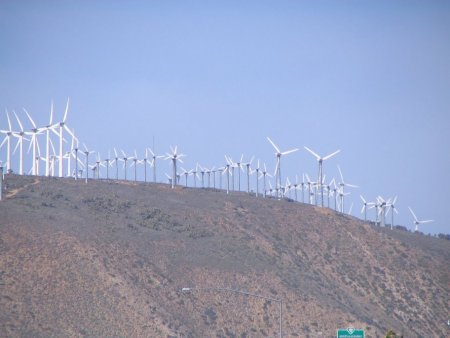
(320, 160)
(416, 222)
(278, 154)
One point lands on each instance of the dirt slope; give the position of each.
(108, 259)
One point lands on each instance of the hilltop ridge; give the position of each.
(110, 258)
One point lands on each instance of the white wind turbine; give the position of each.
(174, 156)
(296, 187)
(320, 160)
(392, 206)
(264, 173)
(248, 164)
(62, 126)
(227, 169)
(8, 134)
(69, 154)
(34, 141)
(116, 160)
(278, 154)
(135, 163)
(238, 165)
(311, 193)
(109, 162)
(98, 164)
(343, 184)
(416, 221)
(364, 207)
(125, 159)
(86, 152)
(257, 178)
(145, 161)
(186, 173)
(202, 172)
(382, 205)
(50, 127)
(21, 136)
(328, 186)
(195, 173)
(153, 163)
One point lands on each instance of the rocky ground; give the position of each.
(109, 259)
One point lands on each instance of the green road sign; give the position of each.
(350, 333)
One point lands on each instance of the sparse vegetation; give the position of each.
(111, 261)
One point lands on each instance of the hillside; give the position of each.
(108, 259)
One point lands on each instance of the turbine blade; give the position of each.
(9, 121)
(51, 113)
(312, 152)
(412, 212)
(289, 151)
(273, 144)
(67, 110)
(20, 124)
(331, 155)
(340, 173)
(29, 117)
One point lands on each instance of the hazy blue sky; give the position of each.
(371, 78)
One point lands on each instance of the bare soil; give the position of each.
(109, 259)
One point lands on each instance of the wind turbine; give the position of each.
(153, 163)
(311, 193)
(231, 166)
(382, 204)
(416, 221)
(145, 161)
(20, 135)
(34, 142)
(239, 166)
(86, 152)
(342, 184)
(248, 164)
(98, 163)
(116, 160)
(227, 169)
(174, 156)
(265, 173)
(392, 206)
(8, 133)
(257, 178)
(194, 172)
(125, 158)
(69, 155)
(202, 172)
(186, 174)
(364, 207)
(50, 127)
(62, 126)
(109, 163)
(320, 160)
(135, 162)
(278, 154)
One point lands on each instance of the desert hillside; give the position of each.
(109, 259)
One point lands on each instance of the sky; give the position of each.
(370, 78)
